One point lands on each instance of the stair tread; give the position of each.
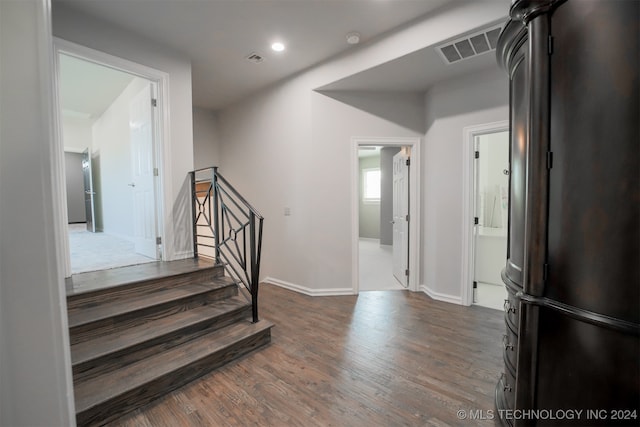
(110, 343)
(85, 315)
(82, 284)
(97, 390)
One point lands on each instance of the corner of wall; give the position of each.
(309, 291)
(439, 296)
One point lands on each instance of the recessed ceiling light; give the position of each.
(277, 46)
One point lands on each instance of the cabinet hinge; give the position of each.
(477, 154)
(158, 240)
(550, 45)
(476, 220)
(475, 285)
(154, 102)
(549, 159)
(406, 272)
(408, 163)
(155, 171)
(407, 218)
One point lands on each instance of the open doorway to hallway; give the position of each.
(383, 217)
(108, 123)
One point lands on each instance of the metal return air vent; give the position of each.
(254, 57)
(470, 46)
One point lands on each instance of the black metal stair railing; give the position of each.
(228, 229)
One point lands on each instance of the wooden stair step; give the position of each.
(106, 397)
(97, 286)
(131, 303)
(113, 344)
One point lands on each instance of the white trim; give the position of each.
(453, 299)
(160, 80)
(309, 291)
(414, 204)
(467, 267)
(49, 85)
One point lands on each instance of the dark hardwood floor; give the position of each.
(388, 358)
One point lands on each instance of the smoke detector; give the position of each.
(471, 45)
(353, 38)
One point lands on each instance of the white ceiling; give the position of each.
(218, 34)
(415, 72)
(87, 89)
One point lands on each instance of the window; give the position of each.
(371, 185)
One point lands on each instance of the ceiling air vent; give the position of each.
(255, 58)
(469, 46)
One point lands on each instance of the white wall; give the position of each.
(35, 365)
(450, 107)
(111, 158)
(76, 134)
(206, 138)
(90, 32)
(289, 146)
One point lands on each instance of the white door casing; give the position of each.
(467, 267)
(163, 146)
(142, 172)
(414, 207)
(400, 217)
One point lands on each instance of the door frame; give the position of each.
(468, 174)
(159, 80)
(414, 205)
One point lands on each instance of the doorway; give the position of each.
(487, 205)
(109, 113)
(383, 201)
(491, 194)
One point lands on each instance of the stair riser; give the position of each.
(87, 331)
(141, 350)
(134, 399)
(109, 294)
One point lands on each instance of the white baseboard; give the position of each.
(453, 299)
(309, 291)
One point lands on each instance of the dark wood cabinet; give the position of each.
(572, 319)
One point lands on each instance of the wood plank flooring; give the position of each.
(388, 358)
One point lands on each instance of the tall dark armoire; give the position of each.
(573, 264)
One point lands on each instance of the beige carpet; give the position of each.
(100, 251)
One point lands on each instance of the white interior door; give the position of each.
(401, 217)
(143, 184)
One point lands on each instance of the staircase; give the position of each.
(158, 327)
